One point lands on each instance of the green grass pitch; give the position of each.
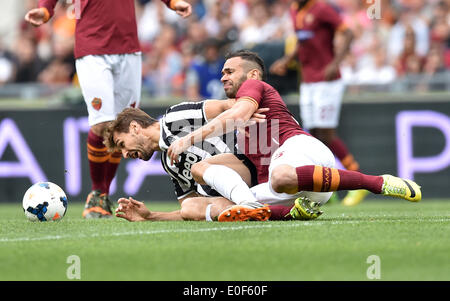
(411, 239)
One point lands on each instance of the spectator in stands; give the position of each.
(162, 64)
(349, 71)
(250, 23)
(434, 62)
(399, 32)
(260, 27)
(29, 65)
(179, 80)
(151, 15)
(238, 11)
(377, 72)
(434, 69)
(61, 67)
(440, 25)
(355, 17)
(218, 21)
(196, 34)
(409, 61)
(203, 77)
(279, 15)
(6, 65)
(198, 9)
(211, 20)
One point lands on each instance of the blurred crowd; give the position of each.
(411, 40)
(184, 57)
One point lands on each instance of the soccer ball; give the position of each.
(44, 201)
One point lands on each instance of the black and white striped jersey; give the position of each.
(178, 121)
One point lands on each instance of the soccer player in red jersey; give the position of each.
(108, 64)
(317, 24)
(292, 166)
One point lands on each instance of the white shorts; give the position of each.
(300, 150)
(109, 83)
(320, 104)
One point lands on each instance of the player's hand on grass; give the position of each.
(132, 210)
(183, 9)
(35, 17)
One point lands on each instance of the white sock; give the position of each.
(208, 213)
(228, 183)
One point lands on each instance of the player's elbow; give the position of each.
(238, 115)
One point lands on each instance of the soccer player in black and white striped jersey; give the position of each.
(137, 135)
(178, 121)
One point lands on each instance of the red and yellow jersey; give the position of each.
(102, 26)
(315, 25)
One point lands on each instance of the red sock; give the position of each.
(339, 149)
(111, 168)
(323, 179)
(279, 213)
(98, 157)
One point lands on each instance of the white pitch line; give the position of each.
(233, 228)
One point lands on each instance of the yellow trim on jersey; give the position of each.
(302, 13)
(250, 99)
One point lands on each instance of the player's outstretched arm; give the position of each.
(132, 210)
(215, 107)
(135, 211)
(227, 121)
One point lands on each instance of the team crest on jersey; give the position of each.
(96, 103)
(276, 156)
(309, 18)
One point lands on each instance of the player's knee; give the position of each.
(283, 180)
(197, 171)
(189, 210)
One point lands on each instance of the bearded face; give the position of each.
(233, 75)
(231, 87)
(134, 146)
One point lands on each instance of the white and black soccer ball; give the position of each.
(44, 201)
